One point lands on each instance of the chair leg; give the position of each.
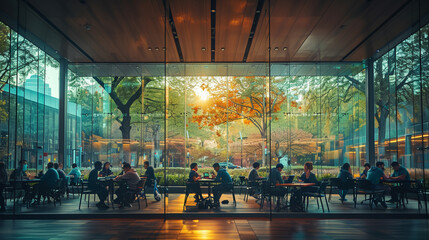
(321, 203)
(89, 198)
(184, 204)
(307, 201)
(80, 201)
(233, 197)
(330, 192)
(138, 200)
(327, 205)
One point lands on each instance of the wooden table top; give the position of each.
(295, 184)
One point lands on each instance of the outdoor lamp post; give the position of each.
(241, 140)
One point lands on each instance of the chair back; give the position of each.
(334, 182)
(243, 180)
(323, 185)
(141, 183)
(363, 184)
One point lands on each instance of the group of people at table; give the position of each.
(44, 182)
(49, 179)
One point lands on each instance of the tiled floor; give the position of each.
(174, 205)
(215, 229)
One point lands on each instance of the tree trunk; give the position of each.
(156, 156)
(126, 135)
(382, 122)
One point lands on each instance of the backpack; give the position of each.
(296, 203)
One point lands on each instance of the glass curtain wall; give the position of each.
(401, 104)
(29, 106)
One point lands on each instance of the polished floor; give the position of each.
(173, 205)
(222, 229)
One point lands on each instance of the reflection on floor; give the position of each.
(215, 229)
(174, 205)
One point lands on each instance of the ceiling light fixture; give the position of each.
(203, 49)
(157, 48)
(276, 48)
(222, 49)
(285, 48)
(150, 49)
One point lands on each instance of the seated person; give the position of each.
(20, 172)
(105, 172)
(75, 172)
(374, 176)
(365, 171)
(251, 179)
(276, 178)
(151, 180)
(122, 167)
(48, 181)
(63, 177)
(131, 178)
(399, 173)
(253, 174)
(344, 175)
(309, 177)
(226, 183)
(193, 183)
(61, 173)
(95, 186)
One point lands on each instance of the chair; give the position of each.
(74, 186)
(321, 193)
(250, 188)
(188, 190)
(364, 186)
(347, 185)
(87, 192)
(417, 189)
(140, 191)
(333, 183)
(242, 182)
(265, 193)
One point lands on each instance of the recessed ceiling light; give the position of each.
(285, 48)
(203, 49)
(222, 49)
(150, 49)
(213, 10)
(87, 27)
(213, 50)
(163, 48)
(157, 48)
(276, 48)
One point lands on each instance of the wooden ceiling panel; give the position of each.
(258, 51)
(306, 15)
(124, 31)
(108, 31)
(402, 21)
(233, 23)
(338, 32)
(192, 20)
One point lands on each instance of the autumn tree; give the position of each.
(239, 98)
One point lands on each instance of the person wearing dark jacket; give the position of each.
(344, 175)
(94, 185)
(225, 183)
(193, 183)
(106, 170)
(309, 177)
(151, 180)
